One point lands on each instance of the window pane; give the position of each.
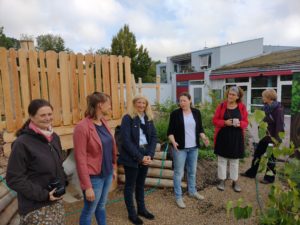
(285, 78)
(261, 81)
(286, 97)
(197, 95)
(256, 97)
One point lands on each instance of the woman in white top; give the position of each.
(185, 128)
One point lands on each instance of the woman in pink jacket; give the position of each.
(95, 155)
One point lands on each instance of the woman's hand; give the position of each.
(89, 194)
(228, 122)
(175, 144)
(204, 139)
(146, 160)
(52, 197)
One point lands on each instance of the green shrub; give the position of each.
(207, 154)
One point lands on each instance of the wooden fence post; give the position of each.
(140, 85)
(157, 89)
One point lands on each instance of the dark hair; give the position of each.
(33, 107)
(186, 94)
(92, 102)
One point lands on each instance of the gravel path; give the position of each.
(161, 203)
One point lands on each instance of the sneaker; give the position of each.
(180, 203)
(236, 187)
(197, 196)
(221, 185)
(265, 181)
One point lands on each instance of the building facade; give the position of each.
(217, 68)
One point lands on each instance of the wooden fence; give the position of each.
(65, 80)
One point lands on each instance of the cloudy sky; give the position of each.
(165, 27)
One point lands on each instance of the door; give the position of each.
(196, 92)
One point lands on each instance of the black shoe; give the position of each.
(247, 175)
(135, 220)
(146, 214)
(264, 181)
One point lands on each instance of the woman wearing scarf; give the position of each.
(35, 169)
(275, 120)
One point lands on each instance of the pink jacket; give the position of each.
(88, 151)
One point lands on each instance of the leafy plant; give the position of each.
(283, 207)
(239, 211)
(207, 154)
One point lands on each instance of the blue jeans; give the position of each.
(101, 188)
(188, 156)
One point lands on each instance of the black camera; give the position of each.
(60, 188)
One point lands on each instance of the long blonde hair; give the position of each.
(132, 110)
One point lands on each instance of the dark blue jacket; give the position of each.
(130, 153)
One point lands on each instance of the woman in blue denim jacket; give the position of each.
(184, 129)
(138, 138)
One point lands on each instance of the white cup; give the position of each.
(235, 121)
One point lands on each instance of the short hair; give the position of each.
(92, 102)
(237, 90)
(270, 94)
(132, 110)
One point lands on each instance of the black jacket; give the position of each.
(32, 164)
(176, 126)
(275, 121)
(130, 154)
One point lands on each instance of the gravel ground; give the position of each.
(161, 202)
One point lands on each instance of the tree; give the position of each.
(103, 51)
(51, 42)
(124, 44)
(8, 42)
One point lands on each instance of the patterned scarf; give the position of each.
(268, 108)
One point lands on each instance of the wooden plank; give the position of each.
(44, 79)
(153, 172)
(2, 108)
(9, 212)
(54, 90)
(24, 79)
(3, 190)
(133, 84)
(65, 88)
(10, 124)
(155, 182)
(127, 61)
(140, 85)
(16, 89)
(98, 73)
(158, 163)
(121, 83)
(89, 72)
(74, 89)
(114, 87)
(82, 92)
(33, 75)
(105, 74)
(15, 220)
(6, 200)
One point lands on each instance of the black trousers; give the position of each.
(135, 181)
(260, 149)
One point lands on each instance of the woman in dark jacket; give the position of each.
(138, 137)
(275, 120)
(35, 169)
(185, 129)
(230, 120)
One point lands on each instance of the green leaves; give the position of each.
(239, 212)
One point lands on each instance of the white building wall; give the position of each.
(233, 53)
(165, 93)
